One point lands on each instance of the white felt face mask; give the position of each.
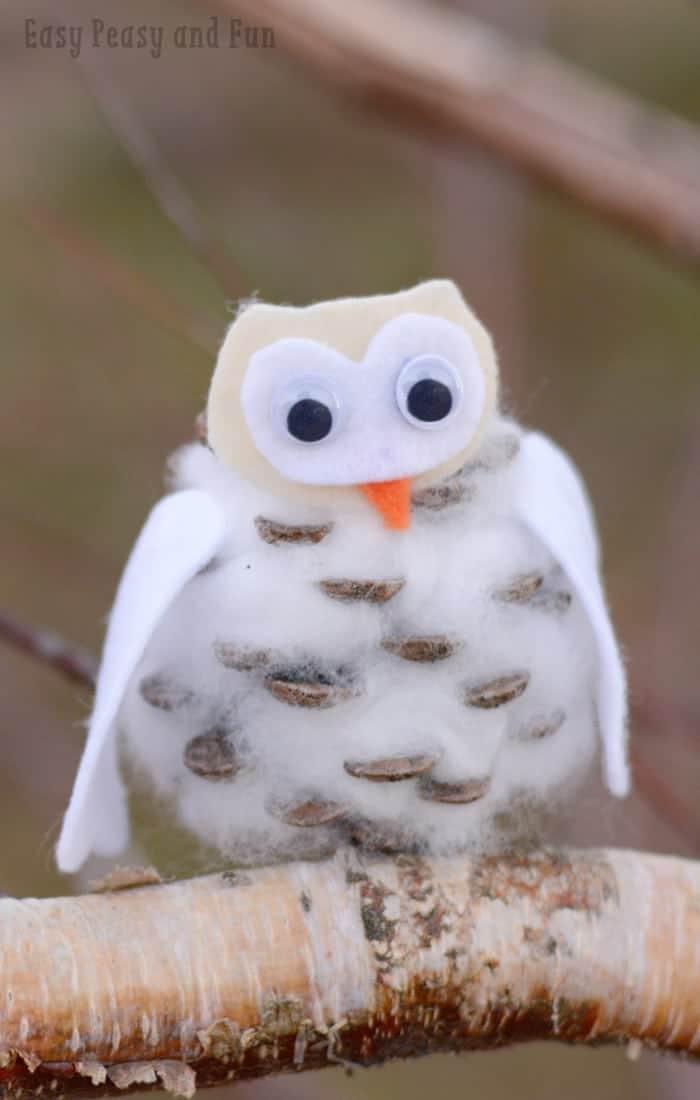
(343, 395)
(413, 402)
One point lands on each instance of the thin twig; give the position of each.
(627, 162)
(653, 717)
(677, 592)
(304, 966)
(681, 721)
(662, 796)
(124, 281)
(49, 648)
(165, 187)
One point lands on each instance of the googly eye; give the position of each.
(428, 391)
(307, 410)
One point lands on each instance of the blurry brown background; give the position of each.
(105, 310)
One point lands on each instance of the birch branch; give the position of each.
(239, 975)
(631, 164)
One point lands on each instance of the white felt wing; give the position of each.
(180, 537)
(552, 502)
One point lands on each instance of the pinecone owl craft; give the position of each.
(371, 607)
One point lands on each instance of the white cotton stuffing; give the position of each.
(262, 597)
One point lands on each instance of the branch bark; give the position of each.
(286, 968)
(635, 166)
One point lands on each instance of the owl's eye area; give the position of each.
(309, 421)
(429, 400)
(428, 391)
(307, 410)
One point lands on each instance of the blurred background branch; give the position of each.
(49, 648)
(635, 166)
(118, 277)
(167, 190)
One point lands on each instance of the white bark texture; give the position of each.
(241, 974)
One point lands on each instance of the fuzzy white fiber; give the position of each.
(258, 596)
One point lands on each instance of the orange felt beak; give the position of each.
(392, 499)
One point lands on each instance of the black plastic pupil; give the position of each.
(309, 420)
(429, 400)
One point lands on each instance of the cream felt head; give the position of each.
(356, 358)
